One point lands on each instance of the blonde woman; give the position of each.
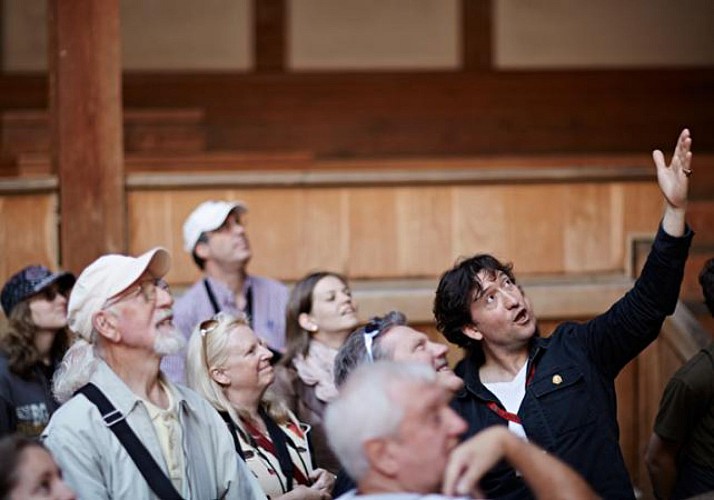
(230, 366)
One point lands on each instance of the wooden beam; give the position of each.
(477, 22)
(415, 114)
(270, 35)
(86, 121)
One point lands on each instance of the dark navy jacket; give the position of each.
(570, 408)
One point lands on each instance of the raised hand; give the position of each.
(674, 178)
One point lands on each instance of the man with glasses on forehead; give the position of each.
(124, 430)
(388, 337)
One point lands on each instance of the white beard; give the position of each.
(169, 342)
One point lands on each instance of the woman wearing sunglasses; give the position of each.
(230, 366)
(321, 314)
(35, 303)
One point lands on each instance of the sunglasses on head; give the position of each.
(205, 328)
(50, 293)
(370, 332)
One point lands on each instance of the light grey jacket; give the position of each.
(97, 466)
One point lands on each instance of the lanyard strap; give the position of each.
(217, 308)
(507, 415)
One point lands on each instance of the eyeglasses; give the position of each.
(146, 288)
(205, 328)
(370, 333)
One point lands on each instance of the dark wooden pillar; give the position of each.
(270, 31)
(477, 27)
(86, 119)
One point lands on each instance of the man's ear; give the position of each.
(380, 453)
(306, 322)
(202, 250)
(472, 332)
(105, 325)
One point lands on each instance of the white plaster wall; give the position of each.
(374, 34)
(603, 33)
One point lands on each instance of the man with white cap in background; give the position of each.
(214, 234)
(125, 431)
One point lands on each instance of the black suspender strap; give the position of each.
(234, 432)
(278, 437)
(160, 484)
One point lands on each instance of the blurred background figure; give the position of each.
(28, 472)
(230, 366)
(680, 454)
(215, 236)
(35, 303)
(321, 314)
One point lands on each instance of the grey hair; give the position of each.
(75, 370)
(199, 379)
(365, 409)
(353, 352)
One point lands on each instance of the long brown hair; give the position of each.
(297, 338)
(18, 343)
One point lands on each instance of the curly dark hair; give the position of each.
(454, 295)
(18, 343)
(706, 280)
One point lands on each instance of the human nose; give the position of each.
(511, 298)
(267, 353)
(237, 227)
(64, 492)
(163, 297)
(438, 349)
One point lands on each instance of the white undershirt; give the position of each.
(511, 395)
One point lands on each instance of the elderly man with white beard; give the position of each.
(124, 430)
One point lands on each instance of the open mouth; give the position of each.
(168, 320)
(347, 310)
(442, 365)
(522, 317)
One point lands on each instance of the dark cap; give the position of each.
(28, 282)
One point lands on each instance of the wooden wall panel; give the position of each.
(479, 222)
(424, 222)
(535, 221)
(28, 232)
(373, 236)
(588, 235)
(412, 232)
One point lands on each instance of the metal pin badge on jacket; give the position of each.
(557, 379)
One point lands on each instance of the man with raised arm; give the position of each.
(559, 392)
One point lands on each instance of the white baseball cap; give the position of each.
(105, 278)
(208, 216)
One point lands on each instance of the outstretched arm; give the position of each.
(674, 182)
(547, 476)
